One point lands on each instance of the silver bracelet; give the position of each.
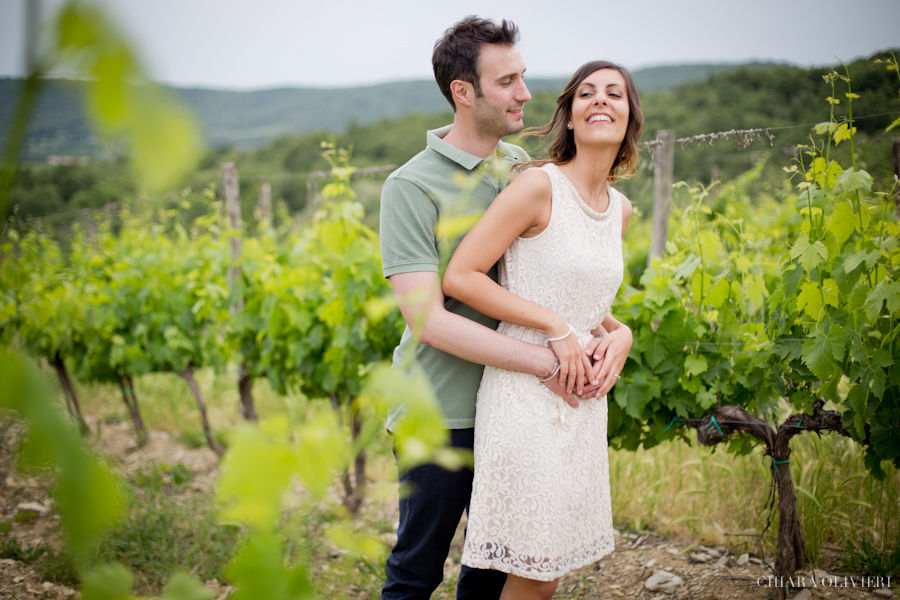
(552, 373)
(562, 337)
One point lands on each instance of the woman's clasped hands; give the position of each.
(574, 364)
(593, 370)
(609, 353)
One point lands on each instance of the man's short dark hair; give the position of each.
(456, 52)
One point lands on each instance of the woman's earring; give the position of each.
(569, 125)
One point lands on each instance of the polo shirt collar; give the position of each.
(436, 142)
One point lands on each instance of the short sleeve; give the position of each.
(407, 228)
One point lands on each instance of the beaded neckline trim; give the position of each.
(587, 209)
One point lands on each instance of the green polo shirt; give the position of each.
(438, 184)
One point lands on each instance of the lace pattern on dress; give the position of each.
(541, 503)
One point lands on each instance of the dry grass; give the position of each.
(693, 492)
(675, 489)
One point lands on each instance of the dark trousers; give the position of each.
(428, 519)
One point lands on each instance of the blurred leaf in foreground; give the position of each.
(89, 497)
(260, 570)
(164, 140)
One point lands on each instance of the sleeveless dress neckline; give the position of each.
(584, 205)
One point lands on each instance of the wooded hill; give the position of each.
(253, 118)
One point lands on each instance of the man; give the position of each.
(480, 71)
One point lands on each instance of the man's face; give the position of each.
(498, 111)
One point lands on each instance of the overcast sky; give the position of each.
(250, 44)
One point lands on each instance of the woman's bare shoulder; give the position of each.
(533, 183)
(626, 205)
(627, 209)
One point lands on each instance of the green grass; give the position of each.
(866, 559)
(165, 533)
(52, 566)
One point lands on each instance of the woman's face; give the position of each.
(600, 109)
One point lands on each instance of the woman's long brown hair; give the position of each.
(562, 148)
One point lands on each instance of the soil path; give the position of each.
(714, 573)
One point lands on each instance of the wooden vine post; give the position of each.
(664, 159)
(231, 190)
(263, 212)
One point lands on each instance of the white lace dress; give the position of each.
(540, 498)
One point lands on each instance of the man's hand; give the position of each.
(589, 391)
(553, 384)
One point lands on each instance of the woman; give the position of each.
(541, 501)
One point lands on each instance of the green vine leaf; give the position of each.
(843, 133)
(636, 395)
(695, 364)
(810, 255)
(870, 371)
(882, 294)
(809, 300)
(829, 389)
(822, 351)
(852, 180)
(654, 351)
(182, 586)
(108, 582)
(857, 400)
(886, 440)
(802, 401)
(718, 294)
(706, 399)
(792, 276)
(842, 222)
(254, 495)
(261, 570)
(687, 268)
(822, 128)
(860, 256)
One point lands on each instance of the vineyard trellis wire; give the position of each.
(746, 136)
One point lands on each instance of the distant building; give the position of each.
(68, 160)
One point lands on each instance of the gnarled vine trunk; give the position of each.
(713, 429)
(354, 486)
(126, 384)
(188, 375)
(245, 389)
(69, 392)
